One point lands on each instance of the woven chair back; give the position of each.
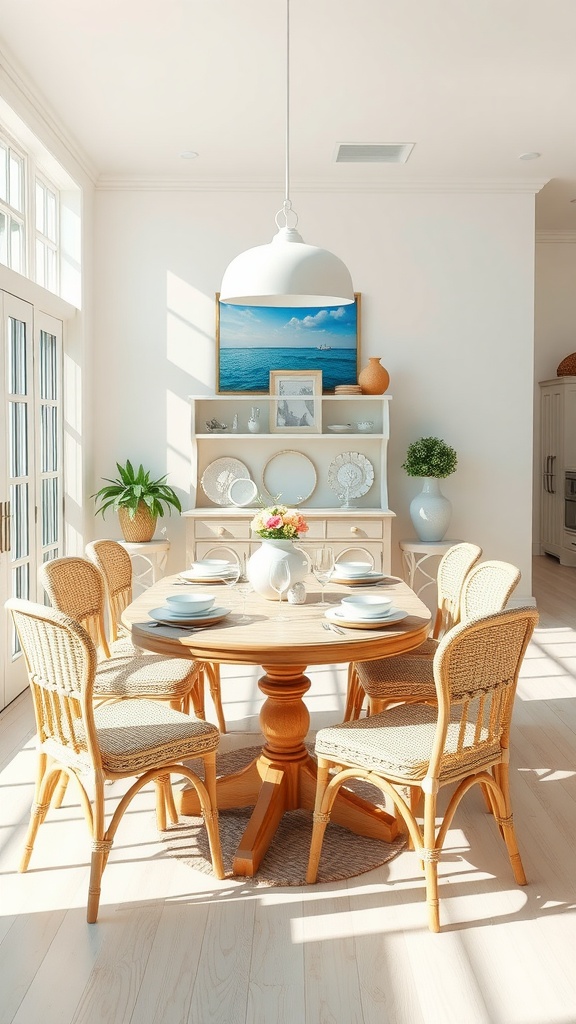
(476, 670)
(487, 588)
(452, 571)
(61, 661)
(115, 564)
(76, 587)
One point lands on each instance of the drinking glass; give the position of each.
(279, 579)
(231, 574)
(244, 588)
(323, 567)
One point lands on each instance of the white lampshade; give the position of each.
(287, 272)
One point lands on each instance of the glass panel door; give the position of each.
(31, 466)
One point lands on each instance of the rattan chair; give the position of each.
(94, 744)
(452, 571)
(463, 740)
(115, 564)
(410, 678)
(76, 587)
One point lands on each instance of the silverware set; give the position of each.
(332, 628)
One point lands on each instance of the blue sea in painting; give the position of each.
(248, 369)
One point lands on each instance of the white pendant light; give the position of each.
(286, 271)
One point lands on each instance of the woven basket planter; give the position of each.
(139, 529)
(567, 367)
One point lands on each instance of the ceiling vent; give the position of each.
(373, 152)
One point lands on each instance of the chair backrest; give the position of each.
(452, 571)
(115, 564)
(61, 661)
(487, 588)
(76, 587)
(476, 670)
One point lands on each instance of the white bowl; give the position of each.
(367, 605)
(191, 604)
(353, 569)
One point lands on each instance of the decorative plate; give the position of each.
(218, 477)
(241, 492)
(350, 475)
(340, 428)
(290, 477)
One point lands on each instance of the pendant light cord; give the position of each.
(287, 210)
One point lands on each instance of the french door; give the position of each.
(31, 466)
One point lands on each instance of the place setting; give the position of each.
(365, 611)
(210, 571)
(359, 573)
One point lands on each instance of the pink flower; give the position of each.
(274, 523)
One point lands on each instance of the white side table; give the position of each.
(149, 560)
(415, 553)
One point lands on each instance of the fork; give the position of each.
(332, 628)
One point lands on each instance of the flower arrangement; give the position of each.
(279, 523)
(430, 456)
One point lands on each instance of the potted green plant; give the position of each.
(430, 511)
(137, 499)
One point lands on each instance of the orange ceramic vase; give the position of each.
(373, 379)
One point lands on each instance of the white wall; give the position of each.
(554, 329)
(447, 302)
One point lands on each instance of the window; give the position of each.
(47, 217)
(12, 208)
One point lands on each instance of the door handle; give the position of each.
(5, 519)
(552, 461)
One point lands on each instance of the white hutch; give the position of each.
(295, 457)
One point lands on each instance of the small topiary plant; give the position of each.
(430, 456)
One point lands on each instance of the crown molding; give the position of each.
(18, 83)
(556, 236)
(504, 186)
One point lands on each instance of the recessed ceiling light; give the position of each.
(189, 154)
(529, 156)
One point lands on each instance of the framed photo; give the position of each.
(296, 401)
(253, 340)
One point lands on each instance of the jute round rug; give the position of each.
(344, 854)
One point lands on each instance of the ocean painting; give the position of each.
(252, 340)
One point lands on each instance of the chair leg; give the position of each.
(211, 815)
(60, 790)
(100, 850)
(320, 822)
(212, 672)
(506, 823)
(44, 790)
(197, 695)
(430, 856)
(354, 694)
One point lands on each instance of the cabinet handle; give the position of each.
(221, 531)
(552, 461)
(353, 529)
(4, 526)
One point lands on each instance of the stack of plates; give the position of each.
(342, 617)
(347, 389)
(209, 570)
(168, 617)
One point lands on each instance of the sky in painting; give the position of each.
(269, 326)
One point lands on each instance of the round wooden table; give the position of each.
(283, 777)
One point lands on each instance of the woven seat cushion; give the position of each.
(398, 744)
(135, 735)
(144, 675)
(391, 677)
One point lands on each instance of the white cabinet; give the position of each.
(366, 524)
(557, 456)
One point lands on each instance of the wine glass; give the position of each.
(231, 574)
(244, 588)
(323, 567)
(279, 580)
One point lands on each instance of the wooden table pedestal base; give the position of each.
(283, 777)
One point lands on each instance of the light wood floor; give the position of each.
(173, 946)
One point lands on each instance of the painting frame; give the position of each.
(295, 395)
(229, 383)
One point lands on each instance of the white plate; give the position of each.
(167, 617)
(242, 492)
(350, 475)
(335, 615)
(353, 581)
(341, 428)
(218, 477)
(289, 477)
